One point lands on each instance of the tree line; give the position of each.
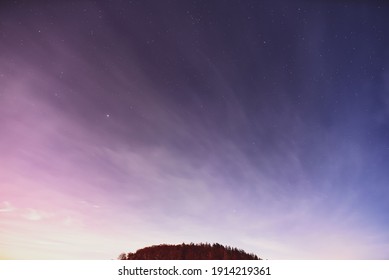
(202, 251)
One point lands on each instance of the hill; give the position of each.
(188, 252)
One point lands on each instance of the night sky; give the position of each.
(262, 125)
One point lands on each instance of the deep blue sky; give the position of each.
(257, 124)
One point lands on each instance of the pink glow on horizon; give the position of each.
(106, 149)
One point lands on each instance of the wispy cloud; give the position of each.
(6, 206)
(102, 136)
(36, 215)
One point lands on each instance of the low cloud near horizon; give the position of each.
(119, 132)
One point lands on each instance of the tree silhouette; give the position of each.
(188, 252)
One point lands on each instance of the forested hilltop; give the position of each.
(189, 252)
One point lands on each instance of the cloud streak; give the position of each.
(116, 132)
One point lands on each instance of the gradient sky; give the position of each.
(257, 124)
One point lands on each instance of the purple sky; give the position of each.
(262, 125)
